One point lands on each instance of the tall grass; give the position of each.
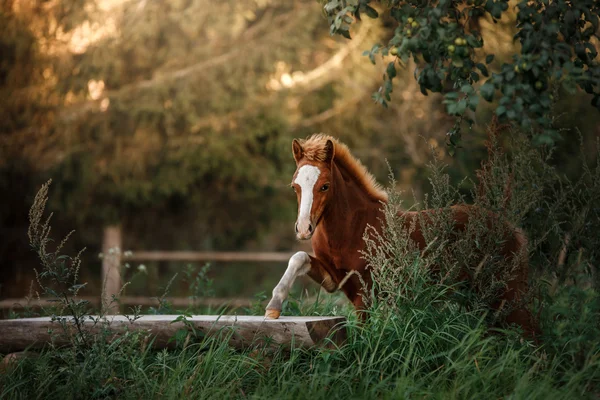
(422, 340)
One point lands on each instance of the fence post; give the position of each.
(111, 263)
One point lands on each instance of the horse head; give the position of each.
(313, 185)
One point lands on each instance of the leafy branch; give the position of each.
(557, 50)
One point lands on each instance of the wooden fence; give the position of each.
(199, 256)
(114, 257)
(111, 277)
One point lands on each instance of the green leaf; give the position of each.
(489, 58)
(78, 287)
(487, 91)
(391, 70)
(473, 102)
(467, 89)
(387, 89)
(345, 33)
(179, 336)
(178, 319)
(451, 108)
(378, 98)
(461, 106)
(371, 12)
(483, 69)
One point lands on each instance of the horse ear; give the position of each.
(329, 151)
(297, 150)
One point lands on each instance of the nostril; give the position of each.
(296, 227)
(310, 228)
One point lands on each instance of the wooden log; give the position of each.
(111, 267)
(240, 331)
(200, 256)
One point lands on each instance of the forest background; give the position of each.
(174, 120)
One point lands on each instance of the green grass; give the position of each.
(429, 348)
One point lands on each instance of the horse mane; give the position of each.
(314, 150)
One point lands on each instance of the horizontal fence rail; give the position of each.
(222, 256)
(112, 279)
(20, 303)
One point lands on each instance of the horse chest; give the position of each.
(348, 262)
(342, 257)
(341, 249)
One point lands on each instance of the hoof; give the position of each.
(273, 314)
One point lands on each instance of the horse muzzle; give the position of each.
(304, 230)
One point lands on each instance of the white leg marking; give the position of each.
(306, 179)
(298, 265)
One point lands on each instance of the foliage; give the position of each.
(524, 188)
(418, 342)
(558, 47)
(401, 270)
(199, 282)
(180, 129)
(165, 123)
(140, 109)
(58, 278)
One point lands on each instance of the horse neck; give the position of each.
(349, 198)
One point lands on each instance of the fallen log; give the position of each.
(239, 331)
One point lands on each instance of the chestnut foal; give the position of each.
(337, 199)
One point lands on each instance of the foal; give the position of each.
(337, 199)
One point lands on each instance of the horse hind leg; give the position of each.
(359, 307)
(518, 290)
(521, 315)
(523, 318)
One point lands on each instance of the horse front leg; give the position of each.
(359, 306)
(300, 264)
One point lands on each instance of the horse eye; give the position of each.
(324, 187)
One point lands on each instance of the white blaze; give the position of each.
(306, 179)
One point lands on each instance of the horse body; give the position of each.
(338, 240)
(337, 200)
